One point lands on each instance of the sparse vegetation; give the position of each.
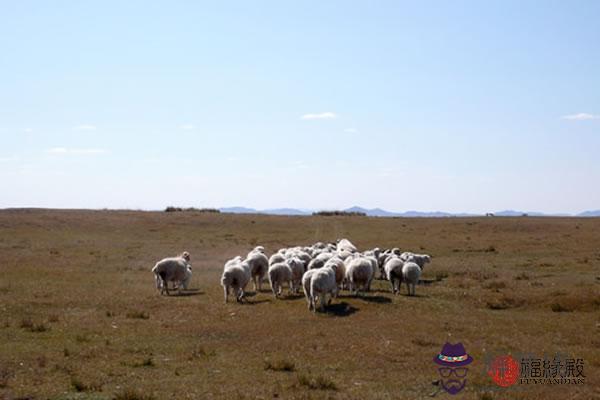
(337, 213)
(192, 209)
(280, 365)
(146, 362)
(316, 382)
(131, 394)
(138, 315)
(81, 386)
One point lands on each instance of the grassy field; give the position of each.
(80, 317)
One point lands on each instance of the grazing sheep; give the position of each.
(236, 276)
(323, 283)
(340, 269)
(297, 267)
(393, 273)
(419, 259)
(411, 272)
(185, 255)
(279, 274)
(304, 257)
(306, 282)
(172, 269)
(320, 260)
(359, 273)
(346, 245)
(404, 256)
(276, 258)
(259, 265)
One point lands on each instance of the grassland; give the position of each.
(80, 317)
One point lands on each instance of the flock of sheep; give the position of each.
(322, 270)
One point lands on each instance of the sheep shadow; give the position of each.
(342, 309)
(189, 292)
(375, 299)
(255, 302)
(292, 297)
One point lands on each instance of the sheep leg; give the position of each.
(226, 292)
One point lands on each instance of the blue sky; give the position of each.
(456, 106)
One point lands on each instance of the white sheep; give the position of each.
(279, 274)
(259, 265)
(393, 272)
(322, 284)
(297, 267)
(340, 269)
(276, 258)
(236, 276)
(419, 259)
(172, 269)
(345, 244)
(320, 260)
(411, 272)
(359, 273)
(306, 281)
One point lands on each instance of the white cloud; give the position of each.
(85, 127)
(580, 117)
(323, 115)
(74, 151)
(27, 130)
(187, 127)
(9, 159)
(351, 130)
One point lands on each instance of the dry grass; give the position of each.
(81, 318)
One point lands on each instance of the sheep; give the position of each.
(419, 259)
(345, 244)
(404, 256)
(185, 255)
(306, 282)
(411, 272)
(304, 257)
(172, 269)
(298, 269)
(340, 269)
(259, 265)
(278, 274)
(393, 273)
(320, 260)
(323, 283)
(276, 258)
(236, 276)
(359, 272)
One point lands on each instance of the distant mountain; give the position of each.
(378, 212)
(238, 210)
(595, 213)
(273, 211)
(285, 211)
(373, 212)
(513, 213)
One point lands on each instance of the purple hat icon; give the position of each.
(453, 355)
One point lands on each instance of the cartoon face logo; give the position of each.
(452, 362)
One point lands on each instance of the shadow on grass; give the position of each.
(342, 309)
(291, 297)
(375, 299)
(189, 292)
(255, 302)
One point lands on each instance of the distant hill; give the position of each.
(285, 211)
(595, 213)
(238, 210)
(378, 212)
